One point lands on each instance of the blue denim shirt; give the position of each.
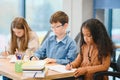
(64, 51)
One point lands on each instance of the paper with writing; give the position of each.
(60, 68)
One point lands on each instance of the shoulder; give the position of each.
(50, 38)
(69, 41)
(68, 38)
(33, 35)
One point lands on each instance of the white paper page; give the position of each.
(9, 57)
(60, 68)
(33, 74)
(2, 57)
(13, 59)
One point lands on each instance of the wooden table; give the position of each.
(8, 69)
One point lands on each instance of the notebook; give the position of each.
(60, 68)
(35, 74)
(34, 65)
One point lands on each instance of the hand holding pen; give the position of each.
(5, 53)
(68, 66)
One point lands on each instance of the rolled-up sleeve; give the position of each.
(33, 43)
(102, 67)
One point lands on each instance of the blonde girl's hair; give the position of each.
(19, 23)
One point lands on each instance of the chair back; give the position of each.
(77, 40)
(48, 33)
(118, 64)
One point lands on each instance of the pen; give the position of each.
(34, 75)
(69, 61)
(18, 55)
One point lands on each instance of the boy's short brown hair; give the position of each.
(59, 16)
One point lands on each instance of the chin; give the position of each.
(19, 36)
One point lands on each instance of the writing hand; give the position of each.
(5, 53)
(68, 67)
(80, 71)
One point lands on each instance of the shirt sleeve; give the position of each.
(33, 43)
(102, 67)
(76, 63)
(41, 52)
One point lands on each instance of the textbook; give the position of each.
(35, 74)
(34, 65)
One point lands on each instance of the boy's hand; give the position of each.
(50, 60)
(34, 58)
(68, 67)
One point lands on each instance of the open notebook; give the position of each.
(60, 68)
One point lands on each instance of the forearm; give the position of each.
(102, 67)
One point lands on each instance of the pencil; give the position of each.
(34, 75)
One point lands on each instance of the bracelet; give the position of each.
(31, 57)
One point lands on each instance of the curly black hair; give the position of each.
(100, 37)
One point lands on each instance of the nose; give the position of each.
(85, 38)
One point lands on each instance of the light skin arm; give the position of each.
(68, 67)
(6, 53)
(34, 58)
(50, 60)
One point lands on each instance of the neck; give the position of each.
(61, 36)
(92, 45)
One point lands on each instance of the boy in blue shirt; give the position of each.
(58, 48)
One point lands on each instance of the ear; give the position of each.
(66, 25)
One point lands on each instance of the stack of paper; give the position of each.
(34, 69)
(35, 74)
(34, 65)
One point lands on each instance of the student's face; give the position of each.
(87, 36)
(18, 32)
(58, 28)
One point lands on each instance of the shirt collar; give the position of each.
(64, 40)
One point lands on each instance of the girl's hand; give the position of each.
(5, 53)
(79, 72)
(50, 60)
(68, 67)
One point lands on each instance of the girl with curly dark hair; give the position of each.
(96, 49)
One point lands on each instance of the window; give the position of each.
(116, 26)
(9, 10)
(37, 13)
